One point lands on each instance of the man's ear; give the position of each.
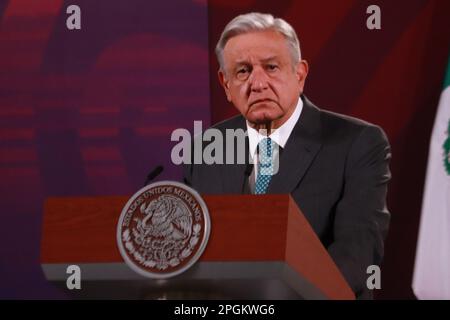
(225, 83)
(301, 71)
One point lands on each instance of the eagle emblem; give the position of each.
(162, 228)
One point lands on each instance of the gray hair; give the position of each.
(255, 21)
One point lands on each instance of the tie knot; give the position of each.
(265, 148)
(265, 166)
(266, 153)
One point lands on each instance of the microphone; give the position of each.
(247, 173)
(153, 174)
(248, 169)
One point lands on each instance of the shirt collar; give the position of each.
(280, 136)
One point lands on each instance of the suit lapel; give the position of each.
(234, 178)
(300, 150)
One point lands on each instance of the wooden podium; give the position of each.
(260, 247)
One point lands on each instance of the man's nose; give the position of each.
(258, 80)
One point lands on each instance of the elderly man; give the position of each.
(334, 166)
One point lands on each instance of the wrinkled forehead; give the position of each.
(258, 46)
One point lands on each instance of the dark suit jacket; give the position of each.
(337, 169)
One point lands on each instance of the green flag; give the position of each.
(432, 266)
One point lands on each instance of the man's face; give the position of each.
(260, 78)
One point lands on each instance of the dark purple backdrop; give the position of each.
(89, 112)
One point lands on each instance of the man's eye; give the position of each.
(272, 67)
(242, 73)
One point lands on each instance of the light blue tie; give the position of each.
(265, 167)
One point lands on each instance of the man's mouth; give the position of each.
(260, 101)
